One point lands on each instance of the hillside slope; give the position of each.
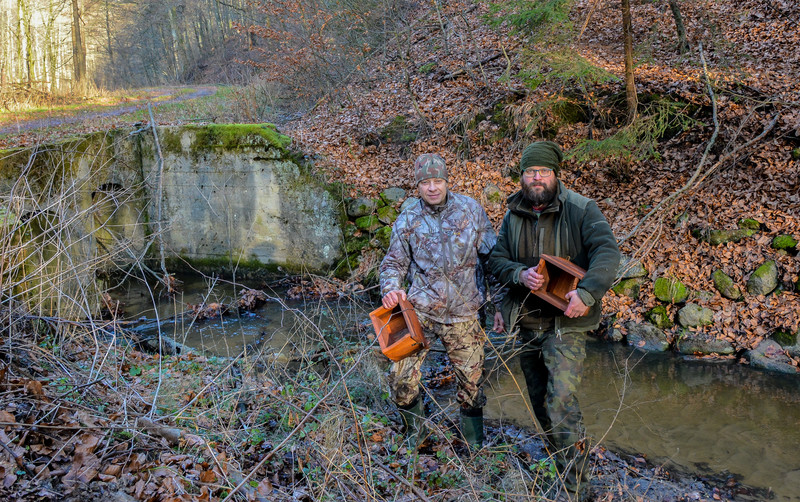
(458, 93)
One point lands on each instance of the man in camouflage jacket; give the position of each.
(546, 217)
(436, 248)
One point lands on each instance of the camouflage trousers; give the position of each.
(463, 342)
(552, 366)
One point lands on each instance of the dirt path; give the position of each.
(79, 116)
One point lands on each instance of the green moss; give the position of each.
(717, 237)
(785, 338)
(368, 223)
(387, 215)
(670, 290)
(384, 235)
(659, 316)
(236, 136)
(628, 287)
(427, 68)
(398, 131)
(796, 153)
(749, 223)
(725, 285)
(356, 244)
(784, 242)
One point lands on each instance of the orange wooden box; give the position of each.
(398, 330)
(560, 277)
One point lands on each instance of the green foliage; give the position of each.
(427, 68)
(562, 66)
(532, 19)
(658, 119)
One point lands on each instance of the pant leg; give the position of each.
(464, 342)
(533, 367)
(563, 356)
(404, 378)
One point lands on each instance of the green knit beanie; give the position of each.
(542, 153)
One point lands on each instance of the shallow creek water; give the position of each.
(712, 418)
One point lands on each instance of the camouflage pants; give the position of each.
(463, 342)
(552, 366)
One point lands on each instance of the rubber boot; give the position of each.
(413, 417)
(573, 464)
(472, 426)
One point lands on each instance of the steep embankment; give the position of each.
(727, 152)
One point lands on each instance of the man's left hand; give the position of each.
(576, 307)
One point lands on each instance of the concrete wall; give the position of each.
(229, 194)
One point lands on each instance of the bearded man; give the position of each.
(544, 217)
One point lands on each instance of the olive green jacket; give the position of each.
(571, 227)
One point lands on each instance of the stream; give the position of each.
(711, 418)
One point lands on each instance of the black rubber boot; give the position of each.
(472, 426)
(413, 417)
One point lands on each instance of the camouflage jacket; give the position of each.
(437, 252)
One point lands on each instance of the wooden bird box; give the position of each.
(560, 277)
(398, 330)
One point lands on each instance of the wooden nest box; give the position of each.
(398, 330)
(560, 277)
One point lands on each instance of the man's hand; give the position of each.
(499, 324)
(531, 279)
(576, 307)
(392, 298)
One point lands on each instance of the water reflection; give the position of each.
(706, 417)
(274, 327)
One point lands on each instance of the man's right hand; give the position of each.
(392, 298)
(531, 279)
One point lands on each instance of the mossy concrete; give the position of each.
(226, 195)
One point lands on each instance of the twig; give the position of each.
(419, 493)
(294, 431)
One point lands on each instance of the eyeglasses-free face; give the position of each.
(543, 172)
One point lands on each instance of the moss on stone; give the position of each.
(356, 244)
(764, 279)
(784, 242)
(670, 290)
(387, 215)
(398, 131)
(383, 236)
(368, 223)
(628, 287)
(785, 338)
(749, 223)
(725, 285)
(237, 136)
(659, 316)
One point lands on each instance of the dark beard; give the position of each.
(538, 199)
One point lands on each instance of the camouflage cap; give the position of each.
(429, 165)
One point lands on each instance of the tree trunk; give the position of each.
(78, 51)
(630, 83)
(109, 48)
(683, 43)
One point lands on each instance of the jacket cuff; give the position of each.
(586, 297)
(517, 274)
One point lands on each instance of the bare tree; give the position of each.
(630, 83)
